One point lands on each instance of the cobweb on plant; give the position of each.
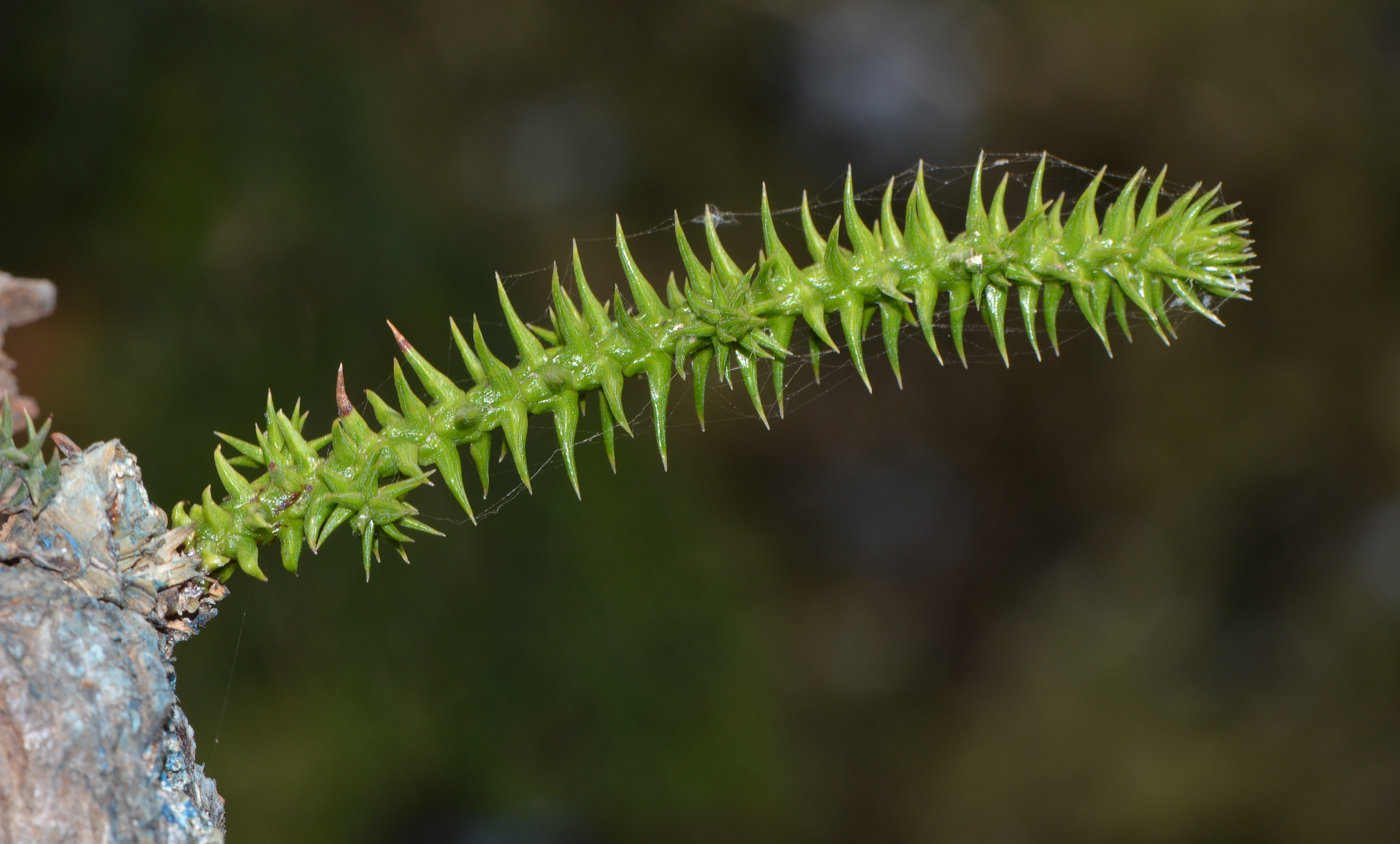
(948, 189)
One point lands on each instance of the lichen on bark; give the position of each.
(94, 595)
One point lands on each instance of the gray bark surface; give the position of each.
(93, 746)
(94, 594)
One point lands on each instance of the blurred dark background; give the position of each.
(1148, 599)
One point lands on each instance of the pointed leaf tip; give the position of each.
(404, 345)
(342, 401)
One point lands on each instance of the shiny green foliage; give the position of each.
(723, 315)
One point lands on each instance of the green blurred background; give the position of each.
(1148, 599)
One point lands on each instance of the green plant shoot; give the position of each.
(722, 316)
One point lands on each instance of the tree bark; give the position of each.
(94, 595)
(95, 592)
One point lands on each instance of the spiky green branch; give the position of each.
(1137, 257)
